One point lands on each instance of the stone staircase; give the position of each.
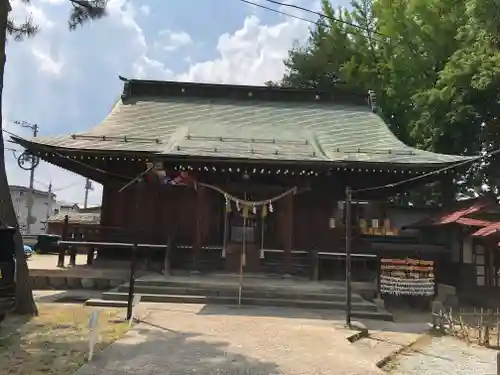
(257, 292)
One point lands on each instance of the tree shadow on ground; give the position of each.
(153, 350)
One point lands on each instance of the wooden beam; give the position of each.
(198, 235)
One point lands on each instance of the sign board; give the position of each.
(93, 332)
(407, 277)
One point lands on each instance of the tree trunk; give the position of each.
(25, 303)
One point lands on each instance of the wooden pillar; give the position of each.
(62, 248)
(72, 254)
(167, 267)
(288, 232)
(199, 219)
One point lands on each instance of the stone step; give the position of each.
(232, 285)
(233, 292)
(122, 303)
(230, 300)
(97, 302)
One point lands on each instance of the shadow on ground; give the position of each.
(270, 311)
(152, 349)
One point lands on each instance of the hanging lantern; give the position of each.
(332, 223)
(238, 206)
(254, 209)
(271, 209)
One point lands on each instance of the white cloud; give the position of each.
(251, 55)
(146, 10)
(173, 40)
(58, 78)
(47, 63)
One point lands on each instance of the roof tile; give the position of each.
(249, 129)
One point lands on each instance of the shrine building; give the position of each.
(259, 168)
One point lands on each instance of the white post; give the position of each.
(135, 304)
(93, 332)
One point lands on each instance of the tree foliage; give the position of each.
(81, 11)
(435, 65)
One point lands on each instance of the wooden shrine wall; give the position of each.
(162, 211)
(197, 217)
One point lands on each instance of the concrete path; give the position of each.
(446, 356)
(178, 339)
(387, 338)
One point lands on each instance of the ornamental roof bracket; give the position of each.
(127, 89)
(372, 95)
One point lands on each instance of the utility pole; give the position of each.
(34, 128)
(49, 205)
(88, 186)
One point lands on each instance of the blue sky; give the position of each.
(67, 81)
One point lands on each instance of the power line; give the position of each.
(321, 15)
(412, 47)
(67, 186)
(437, 171)
(317, 23)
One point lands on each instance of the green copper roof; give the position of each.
(260, 125)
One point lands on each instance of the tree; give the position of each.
(82, 11)
(434, 64)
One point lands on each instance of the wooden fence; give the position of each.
(480, 326)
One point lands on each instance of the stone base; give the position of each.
(88, 283)
(379, 302)
(74, 283)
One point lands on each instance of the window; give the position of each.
(479, 261)
(487, 265)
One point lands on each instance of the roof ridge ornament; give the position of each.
(373, 100)
(127, 88)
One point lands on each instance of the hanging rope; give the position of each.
(246, 202)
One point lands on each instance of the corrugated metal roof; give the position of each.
(250, 129)
(487, 231)
(457, 215)
(76, 217)
(473, 222)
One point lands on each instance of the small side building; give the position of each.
(470, 229)
(44, 204)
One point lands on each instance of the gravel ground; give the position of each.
(446, 356)
(181, 339)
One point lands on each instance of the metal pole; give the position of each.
(133, 261)
(242, 259)
(131, 283)
(34, 127)
(49, 207)
(348, 234)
